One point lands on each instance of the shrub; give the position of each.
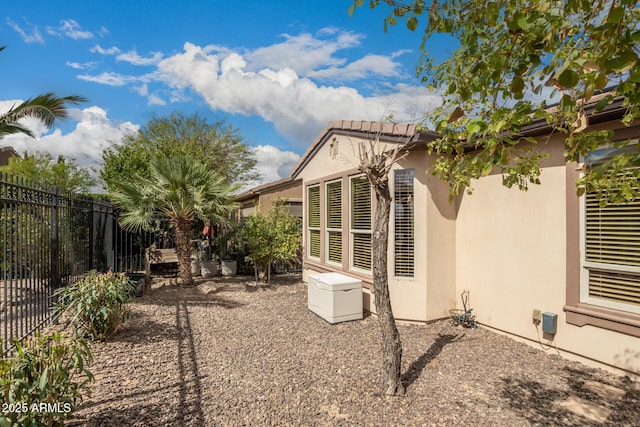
(96, 304)
(43, 380)
(274, 236)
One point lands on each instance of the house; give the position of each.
(261, 197)
(515, 252)
(6, 153)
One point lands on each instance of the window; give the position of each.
(334, 221)
(313, 223)
(611, 252)
(403, 222)
(360, 223)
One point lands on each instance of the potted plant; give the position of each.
(208, 263)
(198, 254)
(230, 246)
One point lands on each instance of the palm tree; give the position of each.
(181, 189)
(46, 107)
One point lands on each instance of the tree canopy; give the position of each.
(514, 58)
(218, 145)
(62, 173)
(179, 187)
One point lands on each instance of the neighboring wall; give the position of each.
(263, 196)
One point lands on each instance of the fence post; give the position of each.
(55, 280)
(91, 233)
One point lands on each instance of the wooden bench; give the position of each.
(166, 259)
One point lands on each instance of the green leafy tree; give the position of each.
(63, 173)
(46, 107)
(515, 57)
(274, 236)
(180, 188)
(218, 145)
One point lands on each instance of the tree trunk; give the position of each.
(391, 345)
(182, 230)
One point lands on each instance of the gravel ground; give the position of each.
(247, 355)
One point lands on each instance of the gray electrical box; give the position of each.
(549, 323)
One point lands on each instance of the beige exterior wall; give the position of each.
(511, 254)
(422, 297)
(514, 251)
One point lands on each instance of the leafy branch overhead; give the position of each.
(513, 60)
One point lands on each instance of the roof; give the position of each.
(613, 111)
(394, 132)
(6, 153)
(388, 132)
(273, 185)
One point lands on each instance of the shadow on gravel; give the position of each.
(540, 405)
(190, 406)
(134, 408)
(143, 331)
(418, 365)
(135, 415)
(168, 295)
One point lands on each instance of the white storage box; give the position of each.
(335, 297)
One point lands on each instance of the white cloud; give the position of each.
(33, 37)
(273, 163)
(72, 29)
(303, 53)
(93, 132)
(109, 79)
(297, 106)
(83, 66)
(156, 100)
(142, 90)
(370, 65)
(133, 58)
(279, 83)
(102, 51)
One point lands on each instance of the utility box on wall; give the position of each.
(335, 297)
(549, 323)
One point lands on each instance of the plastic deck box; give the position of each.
(335, 297)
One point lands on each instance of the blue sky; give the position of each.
(277, 70)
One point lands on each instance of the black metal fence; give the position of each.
(49, 239)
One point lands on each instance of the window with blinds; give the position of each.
(334, 221)
(612, 250)
(360, 223)
(313, 222)
(403, 222)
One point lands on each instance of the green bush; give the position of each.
(43, 380)
(274, 236)
(96, 304)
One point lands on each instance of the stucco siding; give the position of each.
(511, 254)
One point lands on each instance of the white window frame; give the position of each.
(586, 266)
(413, 225)
(309, 227)
(328, 229)
(353, 231)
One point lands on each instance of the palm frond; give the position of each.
(13, 128)
(179, 188)
(46, 107)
